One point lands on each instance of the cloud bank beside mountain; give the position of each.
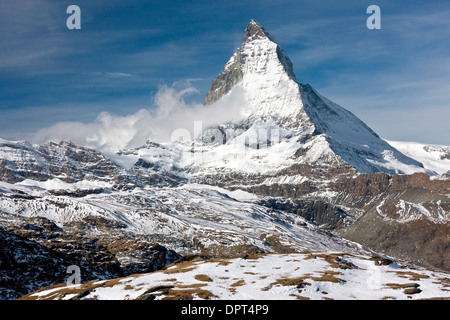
(170, 112)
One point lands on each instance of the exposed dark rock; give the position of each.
(26, 266)
(412, 291)
(316, 211)
(223, 83)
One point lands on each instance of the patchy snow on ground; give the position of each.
(309, 275)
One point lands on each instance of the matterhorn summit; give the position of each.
(316, 130)
(263, 69)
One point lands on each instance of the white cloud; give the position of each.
(170, 112)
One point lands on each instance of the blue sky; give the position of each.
(396, 79)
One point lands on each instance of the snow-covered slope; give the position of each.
(188, 219)
(434, 157)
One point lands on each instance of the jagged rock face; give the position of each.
(20, 161)
(26, 266)
(70, 163)
(258, 51)
(254, 31)
(222, 84)
(38, 249)
(319, 212)
(65, 161)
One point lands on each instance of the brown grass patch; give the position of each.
(220, 261)
(188, 294)
(238, 283)
(182, 292)
(128, 287)
(79, 291)
(151, 293)
(301, 282)
(203, 277)
(191, 286)
(445, 282)
(329, 276)
(254, 256)
(398, 286)
(335, 260)
(180, 268)
(296, 282)
(299, 297)
(34, 295)
(412, 276)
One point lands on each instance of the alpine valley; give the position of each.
(298, 199)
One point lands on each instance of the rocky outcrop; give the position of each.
(319, 212)
(26, 266)
(35, 252)
(222, 84)
(72, 163)
(65, 161)
(420, 241)
(376, 183)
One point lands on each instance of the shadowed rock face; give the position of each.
(319, 212)
(26, 266)
(254, 31)
(34, 252)
(404, 216)
(226, 80)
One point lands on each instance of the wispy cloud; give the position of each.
(111, 74)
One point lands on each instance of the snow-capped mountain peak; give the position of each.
(329, 134)
(255, 31)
